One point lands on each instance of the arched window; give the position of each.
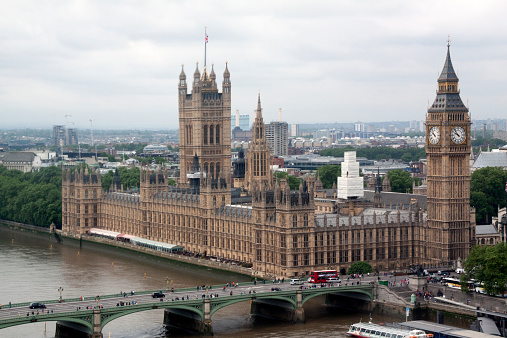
(491, 241)
(212, 170)
(217, 134)
(305, 220)
(211, 134)
(214, 201)
(205, 134)
(294, 221)
(218, 168)
(205, 167)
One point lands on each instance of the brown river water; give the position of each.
(34, 265)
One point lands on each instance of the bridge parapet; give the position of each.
(203, 307)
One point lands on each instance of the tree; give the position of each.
(32, 198)
(400, 181)
(328, 174)
(487, 192)
(360, 268)
(488, 266)
(293, 181)
(171, 181)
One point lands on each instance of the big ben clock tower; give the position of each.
(450, 233)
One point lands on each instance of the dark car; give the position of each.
(37, 306)
(157, 295)
(276, 289)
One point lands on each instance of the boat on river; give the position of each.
(370, 330)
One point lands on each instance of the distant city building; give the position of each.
(72, 137)
(25, 161)
(240, 120)
(277, 136)
(294, 130)
(155, 149)
(58, 136)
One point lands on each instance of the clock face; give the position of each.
(434, 135)
(458, 135)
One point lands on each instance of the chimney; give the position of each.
(279, 114)
(237, 117)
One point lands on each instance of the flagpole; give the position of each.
(205, 43)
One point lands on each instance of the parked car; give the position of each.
(37, 306)
(157, 295)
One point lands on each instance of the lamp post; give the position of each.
(60, 289)
(167, 282)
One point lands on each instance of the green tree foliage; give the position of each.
(488, 266)
(360, 267)
(171, 181)
(379, 153)
(400, 181)
(293, 181)
(328, 174)
(487, 192)
(484, 142)
(32, 198)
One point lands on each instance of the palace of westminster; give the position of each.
(243, 213)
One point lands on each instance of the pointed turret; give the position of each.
(226, 71)
(197, 74)
(182, 75)
(258, 112)
(448, 73)
(182, 86)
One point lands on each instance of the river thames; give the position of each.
(34, 266)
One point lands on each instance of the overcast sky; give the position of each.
(117, 62)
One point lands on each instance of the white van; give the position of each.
(296, 282)
(334, 280)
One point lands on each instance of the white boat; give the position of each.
(370, 330)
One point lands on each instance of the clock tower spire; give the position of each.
(448, 149)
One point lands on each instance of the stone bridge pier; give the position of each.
(280, 309)
(66, 329)
(190, 321)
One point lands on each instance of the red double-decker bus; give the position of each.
(321, 276)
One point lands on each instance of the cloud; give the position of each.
(345, 60)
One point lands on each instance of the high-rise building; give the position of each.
(277, 136)
(58, 136)
(294, 130)
(448, 150)
(205, 124)
(240, 120)
(72, 137)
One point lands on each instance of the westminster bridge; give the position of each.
(189, 309)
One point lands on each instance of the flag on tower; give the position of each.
(206, 38)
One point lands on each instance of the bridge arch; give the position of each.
(109, 316)
(275, 296)
(325, 291)
(84, 319)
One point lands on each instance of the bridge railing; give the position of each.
(117, 295)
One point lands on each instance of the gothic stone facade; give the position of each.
(279, 232)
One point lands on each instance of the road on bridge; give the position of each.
(111, 301)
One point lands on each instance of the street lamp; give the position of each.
(167, 282)
(60, 289)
